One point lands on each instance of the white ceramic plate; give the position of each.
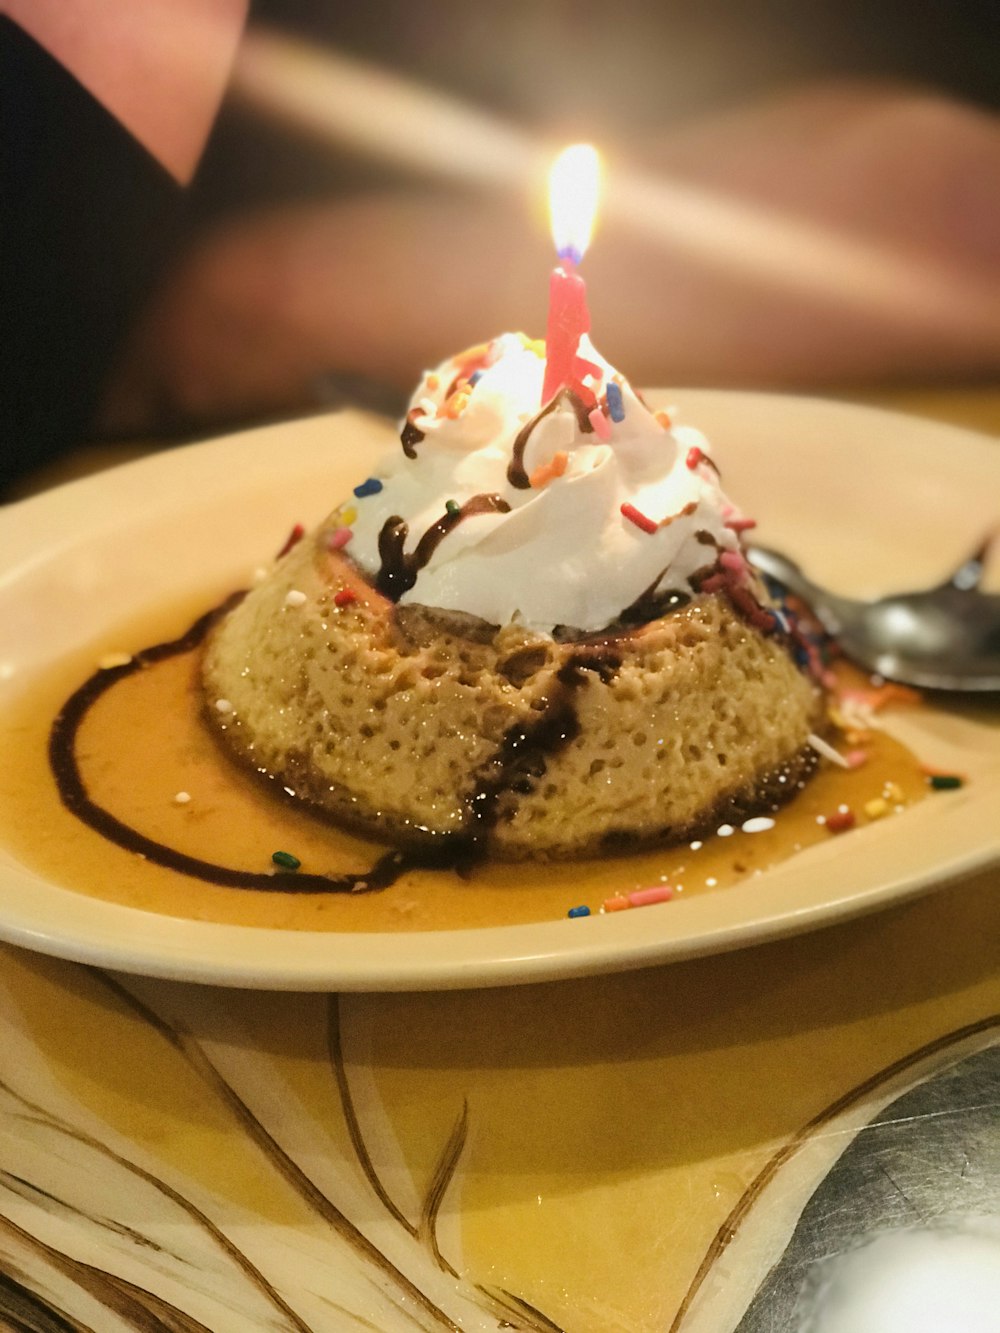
(868, 500)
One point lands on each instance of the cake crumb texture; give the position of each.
(422, 727)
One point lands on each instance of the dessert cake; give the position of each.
(532, 633)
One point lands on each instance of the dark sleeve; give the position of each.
(85, 219)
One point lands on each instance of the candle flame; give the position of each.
(573, 188)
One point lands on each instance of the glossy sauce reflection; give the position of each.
(141, 741)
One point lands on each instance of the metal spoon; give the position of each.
(944, 638)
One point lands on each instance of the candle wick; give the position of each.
(570, 256)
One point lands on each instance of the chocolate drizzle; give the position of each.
(398, 569)
(653, 603)
(516, 768)
(76, 798)
(411, 434)
(516, 474)
(522, 758)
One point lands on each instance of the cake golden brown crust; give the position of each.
(422, 728)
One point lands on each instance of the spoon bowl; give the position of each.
(941, 638)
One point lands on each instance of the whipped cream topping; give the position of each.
(569, 517)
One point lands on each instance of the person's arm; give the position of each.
(159, 67)
(894, 274)
(104, 110)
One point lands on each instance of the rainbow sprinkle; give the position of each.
(456, 404)
(370, 487)
(555, 467)
(616, 404)
(339, 537)
(600, 423)
(582, 910)
(477, 352)
(840, 821)
(638, 518)
(345, 597)
(656, 893)
(292, 540)
(733, 562)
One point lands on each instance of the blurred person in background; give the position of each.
(105, 108)
(302, 271)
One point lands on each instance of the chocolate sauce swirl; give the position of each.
(517, 766)
(654, 602)
(76, 798)
(515, 769)
(516, 474)
(522, 758)
(399, 569)
(411, 435)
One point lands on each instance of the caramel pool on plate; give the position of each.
(148, 761)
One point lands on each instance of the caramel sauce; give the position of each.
(141, 740)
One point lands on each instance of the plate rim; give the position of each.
(193, 951)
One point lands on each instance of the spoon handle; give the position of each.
(969, 575)
(831, 610)
(786, 571)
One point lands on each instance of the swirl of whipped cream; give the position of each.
(585, 526)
